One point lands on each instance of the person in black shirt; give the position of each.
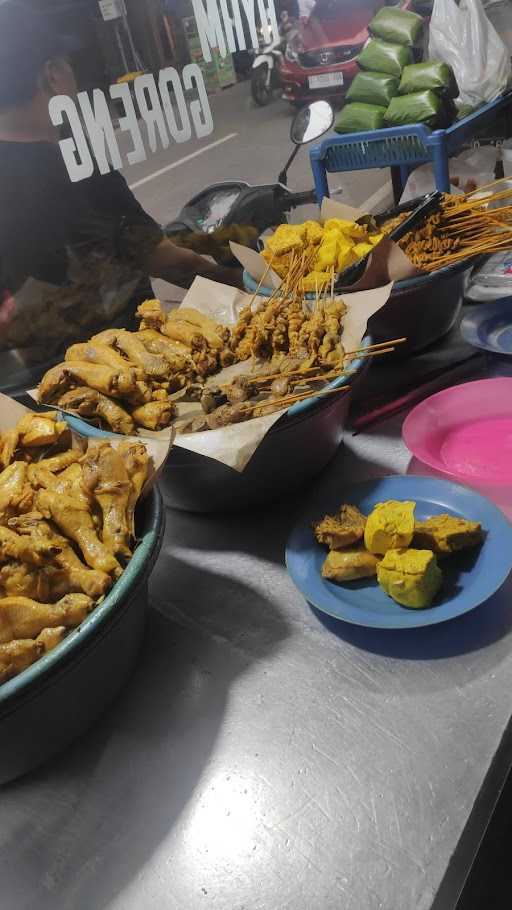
(74, 257)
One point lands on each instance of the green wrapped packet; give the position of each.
(382, 57)
(434, 75)
(420, 107)
(360, 118)
(397, 25)
(373, 88)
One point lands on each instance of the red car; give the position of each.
(320, 57)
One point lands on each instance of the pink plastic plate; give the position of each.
(465, 432)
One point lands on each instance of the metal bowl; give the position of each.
(422, 309)
(56, 699)
(297, 448)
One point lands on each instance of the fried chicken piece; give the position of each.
(41, 478)
(16, 656)
(14, 547)
(74, 575)
(151, 314)
(77, 524)
(341, 530)
(50, 638)
(42, 430)
(153, 365)
(97, 352)
(107, 480)
(91, 404)
(22, 617)
(108, 381)
(157, 415)
(446, 534)
(12, 488)
(182, 331)
(8, 446)
(18, 579)
(59, 462)
(136, 460)
(177, 354)
(349, 565)
(216, 335)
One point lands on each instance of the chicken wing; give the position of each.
(8, 446)
(217, 335)
(16, 656)
(106, 478)
(96, 352)
(42, 430)
(136, 460)
(154, 365)
(41, 478)
(21, 617)
(77, 524)
(104, 379)
(12, 488)
(15, 547)
(177, 354)
(157, 415)
(59, 462)
(50, 638)
(89, 403)
(151, 314)
(22, 580)
(74, 575)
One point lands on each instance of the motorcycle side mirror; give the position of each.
(311, 122)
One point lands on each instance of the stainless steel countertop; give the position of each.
(264, 758)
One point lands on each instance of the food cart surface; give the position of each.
(265, 757)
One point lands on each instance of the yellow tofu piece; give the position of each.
(286, 238)
(410, 577)
(327, 256)
(362, 249)
(447, 534)
(349, 565)
(314, 232)
(314, 281)
(390, 526)
(345, 258)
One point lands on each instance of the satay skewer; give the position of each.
(293, 399)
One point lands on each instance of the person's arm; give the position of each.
(180, 266)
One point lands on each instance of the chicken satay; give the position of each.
(212, 397)
(156, 415)
(226, 415)
(92, 404)
(239, 390)
(77, 524)
(107, 480)
(16, 656)
(22, 617)
(280, 387)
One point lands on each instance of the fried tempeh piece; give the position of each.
(341, 530)
(349, 565)
(107, 480)
(157, 415)
(21, 617)
(92, 404)
(77, 524)
(445, 534)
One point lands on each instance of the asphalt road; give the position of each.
(247, 143)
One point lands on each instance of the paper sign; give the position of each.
(112, 9)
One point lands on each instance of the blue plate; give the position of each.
(470, 578)
(489, 326)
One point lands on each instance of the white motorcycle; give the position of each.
(266, 77)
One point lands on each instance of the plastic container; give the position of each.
(56, 699)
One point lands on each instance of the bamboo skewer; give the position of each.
(293, 399)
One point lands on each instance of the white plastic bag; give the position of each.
(468, 171)
(464, 38)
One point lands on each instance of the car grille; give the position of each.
(329, 55)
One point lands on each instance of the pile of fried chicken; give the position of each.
(66, 531)
(128, 380)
